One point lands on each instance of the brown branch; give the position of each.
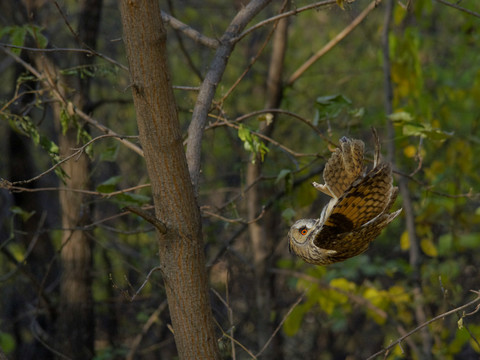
(455, 6)
(332, 42)
(436, 318)
(251, 63)
(189, 31)
(159, 225)
(284, 15)
(12, 185)
(209, 85)
(153, 319)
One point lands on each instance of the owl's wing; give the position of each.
(354, 242)
(365, 200)
(343, 168)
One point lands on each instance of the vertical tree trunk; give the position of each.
(76, 318)
(181, 247)
(261, 237)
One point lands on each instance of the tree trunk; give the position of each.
(262, 238)
(76, 324)
(181, 247)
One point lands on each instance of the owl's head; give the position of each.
(301, 242)
(298, 236)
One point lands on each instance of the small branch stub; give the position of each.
(159, 225)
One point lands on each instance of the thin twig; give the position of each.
(284, 15)
(439, 317)
(455, 6)
(82, 43)
(157, 268)
(148, 324)
(67, 104)
(294, 305)
(340, 36)
(11, 185)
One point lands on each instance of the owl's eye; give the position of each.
(303, 231)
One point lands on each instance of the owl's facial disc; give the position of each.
(300, 230)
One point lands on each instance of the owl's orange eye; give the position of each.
(303, 231)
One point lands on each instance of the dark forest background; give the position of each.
(83, 264)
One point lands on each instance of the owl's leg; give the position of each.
(324, 188)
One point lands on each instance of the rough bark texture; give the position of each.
(181, 249)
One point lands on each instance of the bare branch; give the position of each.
(148, 217)
(148, 324)
(209, 85)
(333, 42)
(284, 15)
(189, 31)
(12, 185)
(294, 305)
(439, 317)
(455, 6)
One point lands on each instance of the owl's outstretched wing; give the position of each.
(364, 203)
(344, 166)
(355, 242)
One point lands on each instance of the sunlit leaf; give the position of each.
(404, 241)
(428, 247)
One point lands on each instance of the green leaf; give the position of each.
(401, 117)
(25, 215)
(252, 144)
(128, 199)
(17, 37)
(288, 214)
(294, 320)
(65, 120)
(7, 342)
(109, 185)
(35, 32)
(331, 106)
(110, 153)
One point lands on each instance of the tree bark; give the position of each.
(181, 247)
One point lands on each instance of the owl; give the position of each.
(356, 214)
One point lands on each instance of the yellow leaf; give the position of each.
(410, 151)
(428, 247)
(340, 3)
(343, 284)
(460, 323)
(405, 241)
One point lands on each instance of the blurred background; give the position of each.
(291, 89)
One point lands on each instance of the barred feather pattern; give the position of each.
(357, 213)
